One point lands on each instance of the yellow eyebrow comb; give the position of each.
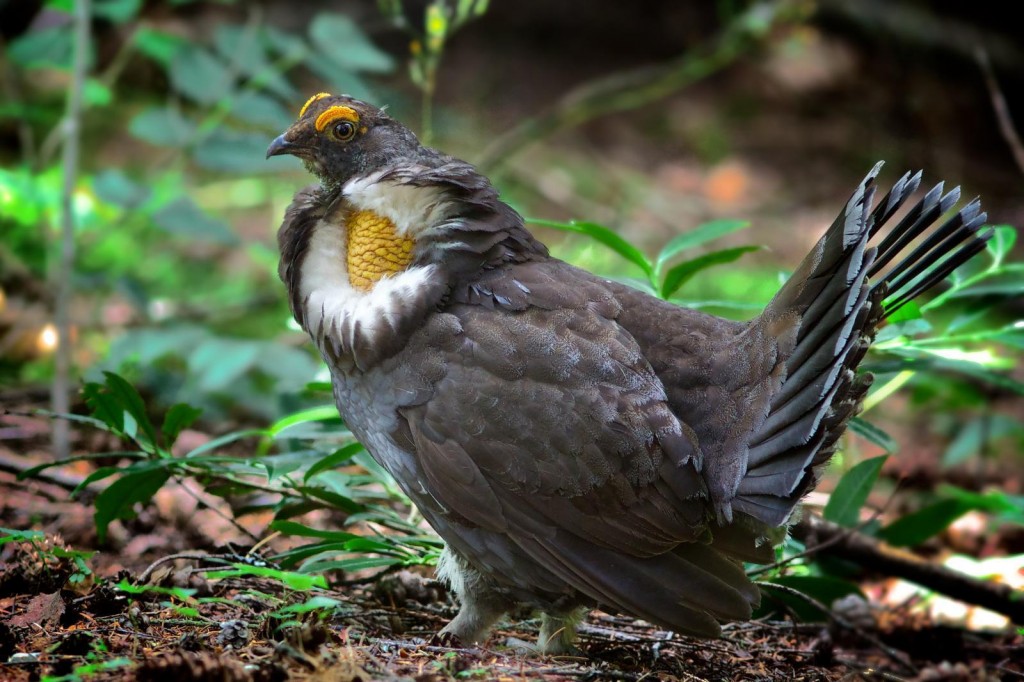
(319, 95)
(332, 114)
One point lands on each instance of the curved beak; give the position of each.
(281, 146)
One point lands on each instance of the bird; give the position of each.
(576, 442)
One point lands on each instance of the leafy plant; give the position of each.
(851, 493)
(303, 478)
(661, 280)
(149, 229)
(429, 33)
(96, 663)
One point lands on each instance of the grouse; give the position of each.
(575, 441)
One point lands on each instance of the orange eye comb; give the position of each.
(319, 95)
(333, 114)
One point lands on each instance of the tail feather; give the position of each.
(689, 590)
(836, 299)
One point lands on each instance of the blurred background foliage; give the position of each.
(673, 125)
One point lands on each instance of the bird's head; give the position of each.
(339, 138)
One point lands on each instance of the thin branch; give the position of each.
(63, 273)
(878, 556)
(999, 106)
(899, 656)
(203, 504)
(19, 465)
(835, 539)
(627, 90)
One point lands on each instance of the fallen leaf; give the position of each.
(43, 609)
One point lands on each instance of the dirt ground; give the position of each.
(127, 618)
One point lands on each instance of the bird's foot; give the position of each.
(531, 649)
(449, 640)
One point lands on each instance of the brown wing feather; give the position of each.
(551, 428)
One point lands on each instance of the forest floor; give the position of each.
(149, 605)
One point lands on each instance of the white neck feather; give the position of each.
(338, 315)
(411, 208)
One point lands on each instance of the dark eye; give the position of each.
(344, 131)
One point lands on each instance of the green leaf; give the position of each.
(873, 434)
(352, 565)
(163, 127)
(824, 589)
(317, 603)
(469, 9)
(975, 370)
(908, 328)
(14, 535)
(96, 94)
(227, 438)
(199, 75)
(680, 274)
(98, 475)
(132, 403)
(332, 460)
(245, 50)
(1004, 282)
(923, 524)
(261, 110)
(605, 236)
(158, 45)
(287, 45)
(313, 414)
(295, 581)
(178, 418)
(1002, 242)
(341, 41)
(295, 528)
(699, 235)
(183, 218)
(117, 11)
(219, 363)
(852, 491)
(118, 499)
(47, 47)
(365, 544)
(294, 556)
(233, 151)
(972, 437)
(1010, 507)
(104, 406)
(337, 501)
(910, 311)
(115, 187)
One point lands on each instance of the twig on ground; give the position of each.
(193, 556)
(203, 504)
(895, 654)
(878, 556)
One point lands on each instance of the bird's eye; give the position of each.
(343, 131)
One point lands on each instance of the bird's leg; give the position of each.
(479, 606)
(472, 623)
(558, 633)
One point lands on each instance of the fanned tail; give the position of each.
(834, 302)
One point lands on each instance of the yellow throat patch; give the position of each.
(374, 249)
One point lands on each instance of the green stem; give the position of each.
(887, 389)
(427, 106)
